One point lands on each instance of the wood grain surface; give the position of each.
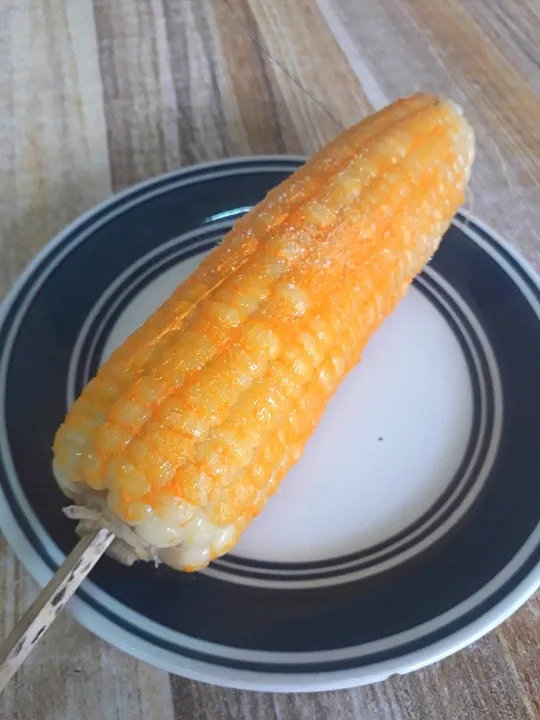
(98, 94)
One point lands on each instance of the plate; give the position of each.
(410, 527)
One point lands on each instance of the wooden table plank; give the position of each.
(400, 46)
(99, 94)
(54, 157)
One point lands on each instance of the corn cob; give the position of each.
(190, 426)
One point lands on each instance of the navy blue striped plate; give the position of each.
(410, 527)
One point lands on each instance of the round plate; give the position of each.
(409, 528)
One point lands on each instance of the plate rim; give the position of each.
(202, 670)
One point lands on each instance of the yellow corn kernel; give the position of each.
(192, 423)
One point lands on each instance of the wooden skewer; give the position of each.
(48, 604)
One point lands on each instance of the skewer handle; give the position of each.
(48, 604)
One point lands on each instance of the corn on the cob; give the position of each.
(193, 422)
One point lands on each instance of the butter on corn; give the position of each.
(191, 425)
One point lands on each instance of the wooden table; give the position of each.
(97, 95)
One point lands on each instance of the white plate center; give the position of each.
(388, 445)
